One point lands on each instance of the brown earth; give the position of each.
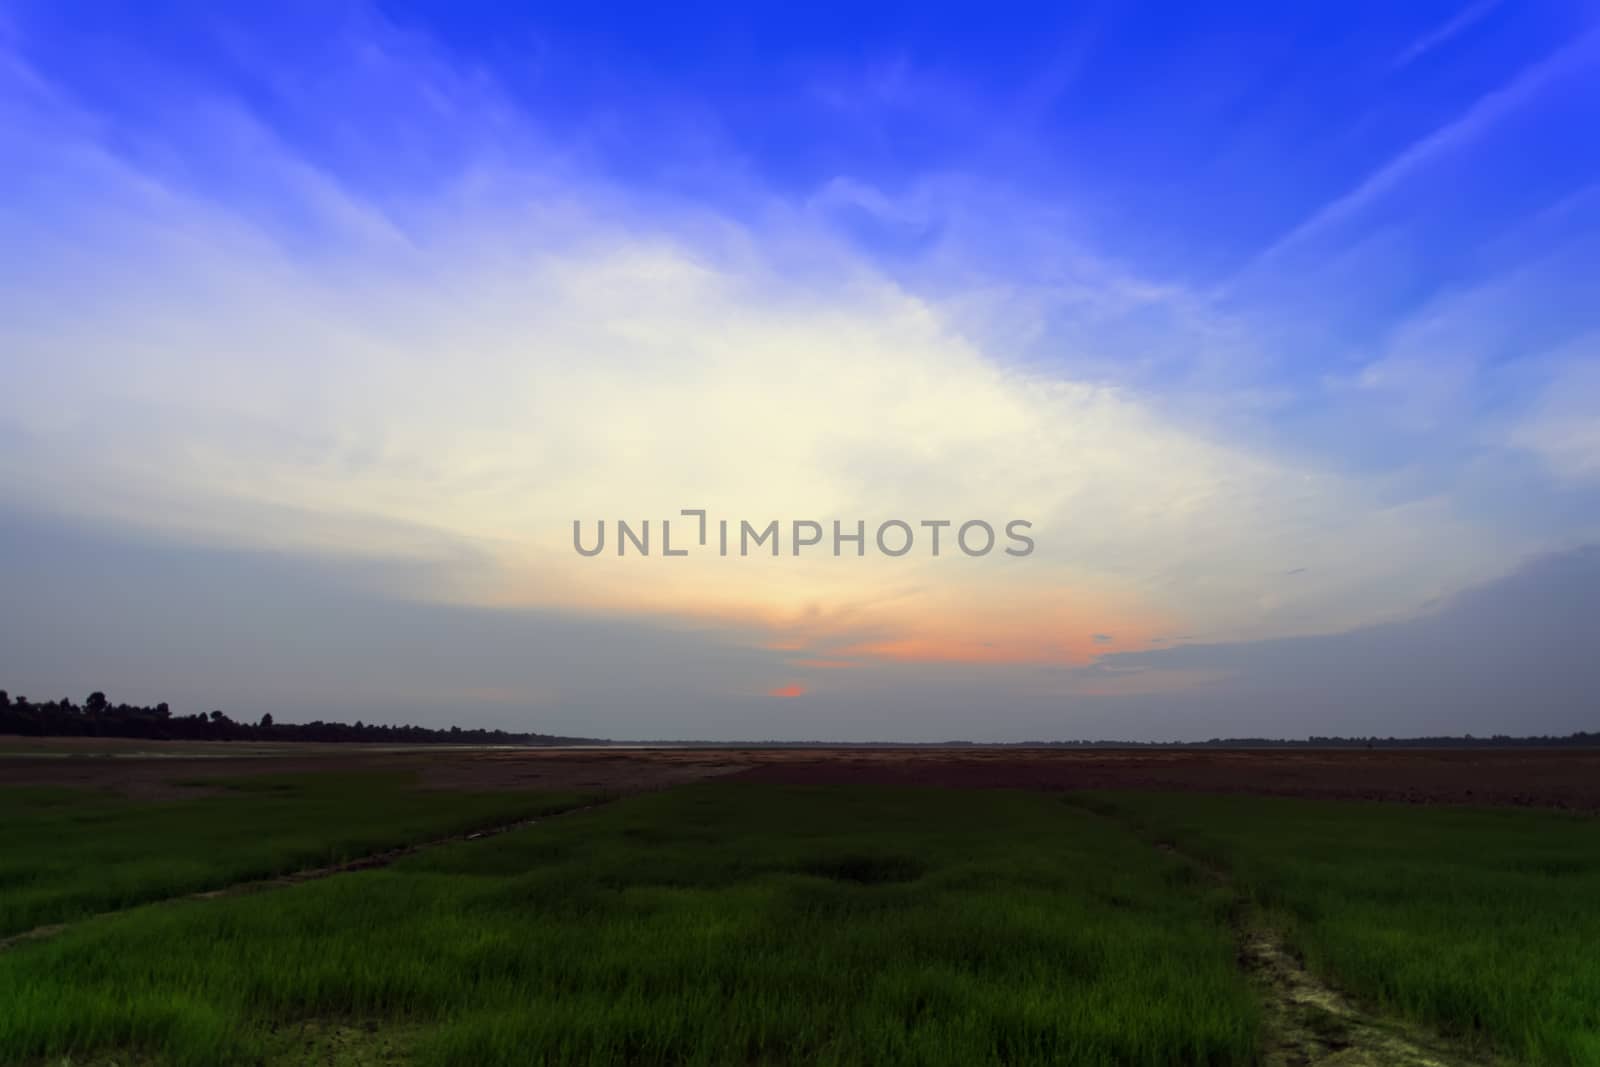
(1555, 778)
(166, 769)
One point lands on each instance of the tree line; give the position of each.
(98, 717)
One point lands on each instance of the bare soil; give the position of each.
(1308, 1023)
(154, 770)
(1550, 778)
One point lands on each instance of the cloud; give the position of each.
(305, 637)
(458, 376)
(1562, 424)
(1445, 32)
(1513, 655)
(244, 341)
(1483, 114)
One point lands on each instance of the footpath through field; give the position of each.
(1306, 1022)
(370, 861)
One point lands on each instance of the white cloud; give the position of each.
(465, 373)
(1447, 31)
(1562, 425)
(1483, 114)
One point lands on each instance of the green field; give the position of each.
(1482, 923)
(67, 853)
(714, 924)
(734, 923)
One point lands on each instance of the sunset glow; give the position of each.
(352, 324)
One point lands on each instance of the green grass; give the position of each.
(734, 923)
(1482, 923)
(68, 853)
(722, 923)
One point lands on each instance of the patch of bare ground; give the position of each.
(578, 770)
(1567, 779)
(331, 1043)
(167, 770)
(1307, 1023)
(312, 1042)
(1562, 778)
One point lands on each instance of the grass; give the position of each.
(755, 924)
(1482, 923)
(68, 853)
(722, 923)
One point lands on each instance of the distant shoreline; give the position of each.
(59, 745)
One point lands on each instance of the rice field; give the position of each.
(756, 923)
(715, 924)
(68, 853)
(1481, 923)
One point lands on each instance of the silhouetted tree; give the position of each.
(266, 720)
(96, 702)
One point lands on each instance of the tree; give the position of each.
(96, 702)
(266, 720)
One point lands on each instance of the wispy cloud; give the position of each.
(1446, 31)
(1562, 425)
(250, 332)
(1465, 128)
(464, 384)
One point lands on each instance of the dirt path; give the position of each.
(368, 862)
(1308, 1023)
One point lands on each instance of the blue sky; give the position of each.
(1279, 322)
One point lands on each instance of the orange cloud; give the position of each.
(831, 615)
(959, 648)
(793, 689)
(1047, 625)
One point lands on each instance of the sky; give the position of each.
(1277, 325)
